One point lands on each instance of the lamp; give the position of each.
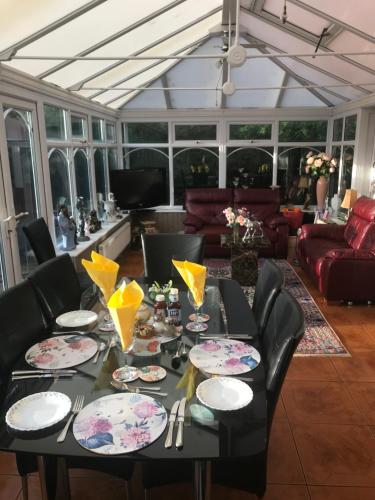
(349, 200)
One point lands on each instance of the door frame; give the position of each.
(11, 249)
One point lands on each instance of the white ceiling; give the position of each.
(35, 31)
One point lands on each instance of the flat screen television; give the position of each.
(139, 188)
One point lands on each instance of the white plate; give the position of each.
(61, 351)
(224, 357)
(224, 393)
(76, 319)
(38, 411)
(120, 423)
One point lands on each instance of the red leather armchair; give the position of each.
(341, 259)
(204, 214)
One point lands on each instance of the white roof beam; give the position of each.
(136, 55)
(53, 26)
(113, 37)
(282, 91)
(167, 96)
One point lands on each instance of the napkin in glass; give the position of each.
(123, 306)
(188, 380)
(103, 272)
(194, 276)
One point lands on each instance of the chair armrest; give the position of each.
(275, 220)
(324, 231)
(350, 254)
(192, 220)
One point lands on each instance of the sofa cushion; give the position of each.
(260, 202)
(359, 233)
(316, 248)
(208, 204)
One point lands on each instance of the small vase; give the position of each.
(236, 233)
(321, 192)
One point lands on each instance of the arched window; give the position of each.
(82, 176)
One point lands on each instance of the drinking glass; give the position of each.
(107, 324)
(196, 325)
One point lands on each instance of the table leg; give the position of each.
(47, 476)
(202, 480)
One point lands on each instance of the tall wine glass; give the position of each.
(196, 325)
(107, 324)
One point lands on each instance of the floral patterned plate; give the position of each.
(125, 373)
(152, 373)
(61, 352)
(120, 423)
(147, 347)
(224, 357)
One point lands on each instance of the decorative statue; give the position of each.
(100, 206)
(67, 228)
(82, 219)
(110, 208)
(94, 222)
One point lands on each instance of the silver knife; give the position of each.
(109, 347)
(41, 372)
(180, 420)
(43, 375)
(225, 337)
(172, 419)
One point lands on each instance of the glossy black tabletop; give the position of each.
(232, 434)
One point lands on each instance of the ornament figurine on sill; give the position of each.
(82, 219)
(94, 222)
(67, 228)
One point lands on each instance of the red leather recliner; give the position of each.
(341, 259)
(204, 214)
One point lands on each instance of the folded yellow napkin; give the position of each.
(123, 306)
(194, 276)
(188, 380)
(103, 272)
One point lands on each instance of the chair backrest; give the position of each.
(22, 324)
(160, 249)
(269, 283)
(360, 228)
(57, 287)
(261, 202)
(285, 328)
(40, 240)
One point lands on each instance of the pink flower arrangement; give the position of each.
(240, 216)
(321, 164)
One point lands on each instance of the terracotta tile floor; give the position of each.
(323, 438)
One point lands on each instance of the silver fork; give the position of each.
(77, 407)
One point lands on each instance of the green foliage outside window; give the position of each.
(303, 131)
(250, 131)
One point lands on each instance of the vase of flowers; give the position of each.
(320, 166)
(236, 218)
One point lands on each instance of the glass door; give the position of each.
(23, 182)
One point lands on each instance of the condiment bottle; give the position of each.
(160, 308)
(174, 308)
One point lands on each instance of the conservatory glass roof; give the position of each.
(167, 54)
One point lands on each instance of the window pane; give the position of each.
(350, 128)
(81, 171)
(145, 132)
(250, 131)
(112, 159)
(195, 132)
(194, 167)
(337, 129)
(303, 131)
(347, 167)
(148, 157)
(100, 172)
(110, 132)
(60, 188)
(97, 130)
(55, 123)
(291, 174)
(78, 127)
(249, 167)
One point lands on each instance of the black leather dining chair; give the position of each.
(160, 249)
(282, 334)
(40, 240)
(283, 331)
(56, 285)
(268, 285)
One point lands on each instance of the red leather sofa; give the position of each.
(204, 214)
(341, 259)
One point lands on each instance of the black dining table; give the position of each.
(231, 435)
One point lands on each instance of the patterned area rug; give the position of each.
(319, 338)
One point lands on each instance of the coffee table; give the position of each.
(244, 257)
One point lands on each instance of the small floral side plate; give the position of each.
(125, 374)
(224, 357)
(152, 373)
(61, 352)
(120, 423)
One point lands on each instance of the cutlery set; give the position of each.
(177, 413)
(230, 336)
(122, 386)
(28, 374)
